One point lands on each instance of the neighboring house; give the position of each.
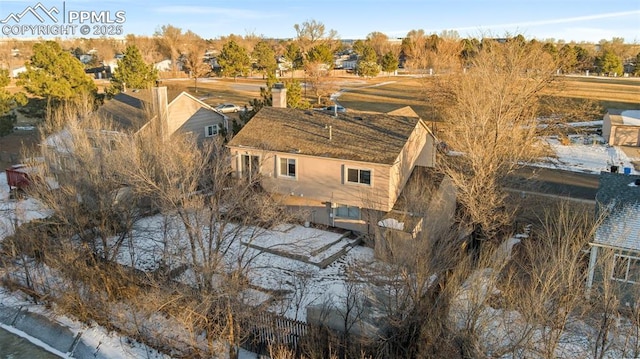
(345, 171)
(621, 127)
(347, 62)
(615, 249)
(133, 110)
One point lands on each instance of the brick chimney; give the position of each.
(279, 95)
(160, 104)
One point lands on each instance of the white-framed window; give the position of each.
(212, 130)
(346, 211)
(287, 167)
(358, 175)
(626, 268)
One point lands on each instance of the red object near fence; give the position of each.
(19, 176)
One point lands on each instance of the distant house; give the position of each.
(345, 170)
(621, 127)
(163, 66)
(17, 71)
(615, 248)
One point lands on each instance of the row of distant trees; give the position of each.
(54, 73)
(315, 45)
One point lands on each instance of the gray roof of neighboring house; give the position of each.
(357, 136)
(618, 199)
(617, 188)
(131, 110)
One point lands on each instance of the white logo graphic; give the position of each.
(34, 11)
(68, 22)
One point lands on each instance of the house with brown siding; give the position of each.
(344, 170)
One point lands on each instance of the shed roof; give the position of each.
(624, 117)
(357, 136)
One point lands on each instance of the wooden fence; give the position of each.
(265, 329)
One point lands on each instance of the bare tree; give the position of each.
(192, 53)
(312, 33)
(491, 117)
(169, 38)
(148, 47)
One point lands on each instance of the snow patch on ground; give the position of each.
(586, 153)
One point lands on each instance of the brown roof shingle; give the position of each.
(132, 109)
(358, 136)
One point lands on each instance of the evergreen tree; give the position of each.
(295, 99)
(132, 72)
(55, 74)
(321, 54)
(234, 60)
(358, 47)
(568, 59)
(265, 58)
(584, 58)
(551, 49)
(8, 102)
(293, 53)
(367, 65)
(389, 62)
(610, 63)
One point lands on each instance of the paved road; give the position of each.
(555, 182)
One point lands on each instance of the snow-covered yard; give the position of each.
(269, 271)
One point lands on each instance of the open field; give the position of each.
(387, 93)
(611, 92)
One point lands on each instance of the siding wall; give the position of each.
(187, 115)
(624, 136)
(606, 128)
(418, 150)
(321, 179)
(628, 293)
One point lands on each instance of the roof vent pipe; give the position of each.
(330, 131)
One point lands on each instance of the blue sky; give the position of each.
(570, 20)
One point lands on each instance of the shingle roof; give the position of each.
(130, 110)
(358, 136)
(621, 228)
(617, 188)
(620, 197)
